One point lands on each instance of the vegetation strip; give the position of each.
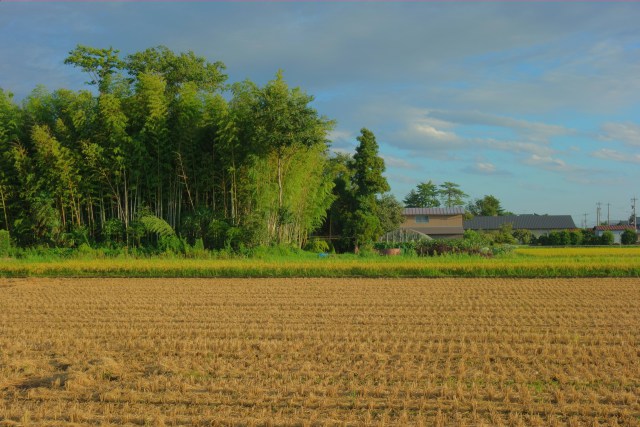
(590, 262)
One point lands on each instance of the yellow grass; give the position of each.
(525, 263)
(596, 251)
(319, 352)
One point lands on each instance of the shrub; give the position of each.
(607, 238)
(523, 236)
(505, 234)
(575, 237)
(477, 238)
(629, 237)
(316, 245)
(282, 250)
(589, 237)
(5, 243)
(84, 250)
(113, 231)
(470, 246)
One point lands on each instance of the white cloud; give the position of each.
(427, 134)
(617, 156)
(549, 163)
(627, 133)
(528, 129)
(487, 168)
(429, 131)
(518, 147)
(396, 162)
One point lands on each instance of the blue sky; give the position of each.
(537, 104)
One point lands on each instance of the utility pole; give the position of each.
(584, 221)
(633, 209)
(598, 213)
(608, 221)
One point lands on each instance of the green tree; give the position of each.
(487, 206)
(11, 122)
(524, 236)
(100, 64)
(5, 243)
(284, 128)
(576, 237)
(364, 224)
(246, 169)
(628, 237)
(340, 167)
(424, 196)
(177, 69)
(389, 212)
(451, 194)
(368, 167)
(505, 234)
(607, 238)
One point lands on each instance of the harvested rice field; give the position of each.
(203, 352)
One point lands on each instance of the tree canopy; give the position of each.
(487, 206)
(425, 195)
(160, 139)
(451, 194)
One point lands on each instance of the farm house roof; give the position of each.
(455, 210)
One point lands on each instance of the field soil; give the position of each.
(320, 352)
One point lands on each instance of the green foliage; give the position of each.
(523, 236)
(487, 206)
(276, 251)
(477, 239)
(159, 226)
(363, 216)
(629, 237)
(424, 196)
(100, 64)
(607, 238)
(505, 234)
(5, 243)
(177, 70)
(572, 238)
(471, 245)
(451, 194)
(317, 245)
(113, 231)
(163, 138)
(389, 212)
(368, 167)
(576, 237)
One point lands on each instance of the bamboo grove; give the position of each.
(162, 150)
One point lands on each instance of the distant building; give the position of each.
(539, 225)
(617, 231)
(434, 223)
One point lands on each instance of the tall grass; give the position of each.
(547, 262)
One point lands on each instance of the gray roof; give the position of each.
(454, 210)
(529, 222)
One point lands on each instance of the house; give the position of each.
(538, 224)
(435, 223)
(617, 231)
